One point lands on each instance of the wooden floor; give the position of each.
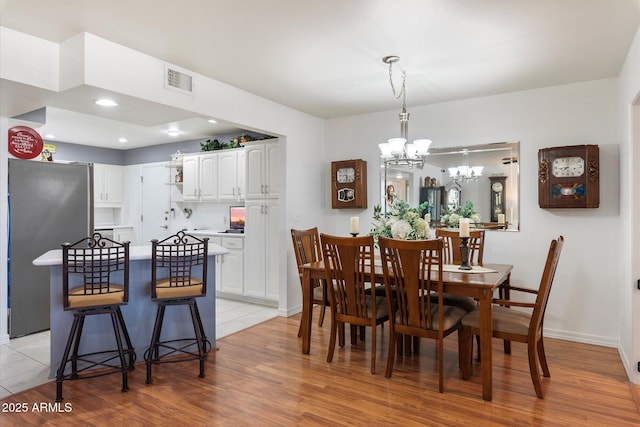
(259, 377)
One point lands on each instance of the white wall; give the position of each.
(583, 300)
(629, 245)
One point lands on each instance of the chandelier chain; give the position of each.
(402, 89)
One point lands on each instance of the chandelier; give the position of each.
(465, 173)
(399, 151)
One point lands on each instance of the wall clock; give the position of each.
(569, 177)
(498, 203)
(349, 184)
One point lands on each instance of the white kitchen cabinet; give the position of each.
(199, 175)
(231, 175)
(261, 266)
(108, 186)
(229, 267)
(232, 266)
(262, 169)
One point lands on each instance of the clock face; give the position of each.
(497, 187)
(346, 175)
(567, 167)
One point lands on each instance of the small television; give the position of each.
(236, 219)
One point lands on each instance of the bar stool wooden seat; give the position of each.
(95, 280)
(175, 262)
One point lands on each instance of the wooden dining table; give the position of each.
(479, 286)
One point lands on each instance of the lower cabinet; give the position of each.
(231, 266)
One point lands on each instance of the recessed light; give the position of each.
(106, 102)
(212, 121)
(122, 140)
(50, 136)
(173, 132)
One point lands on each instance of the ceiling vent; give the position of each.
(178, 80)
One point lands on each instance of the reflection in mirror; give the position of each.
(448, 189)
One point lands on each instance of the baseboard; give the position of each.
(243, 298)
(582, 338)
(4, 339)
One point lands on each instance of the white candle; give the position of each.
(500, 218)
(427, 218)
(464, 227)
(355, 224)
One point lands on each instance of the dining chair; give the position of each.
(350, 272)
(306, 247)
(95, 281)
(451, 240)
(451, 255)
(412, 272)
(514, 324)
(178, 277)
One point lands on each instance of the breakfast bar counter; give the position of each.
(139, 314)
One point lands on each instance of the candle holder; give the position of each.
(354, 234)
(464, 254)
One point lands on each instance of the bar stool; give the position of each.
(97, 270)
(174, 261)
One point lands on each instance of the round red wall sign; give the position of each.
(24, 142)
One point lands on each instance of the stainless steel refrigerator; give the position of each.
(49, 203)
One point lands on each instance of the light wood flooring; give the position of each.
(259, 377)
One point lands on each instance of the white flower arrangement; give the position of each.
(452, 218)
(401, 222)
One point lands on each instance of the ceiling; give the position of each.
(323, 57)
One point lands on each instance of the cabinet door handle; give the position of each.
(266, 209)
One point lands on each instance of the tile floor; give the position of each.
(24, 361)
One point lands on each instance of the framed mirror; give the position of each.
(452, 176)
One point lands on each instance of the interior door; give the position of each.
(156, 213)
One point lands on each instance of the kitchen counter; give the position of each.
(136, 253)
(214, 233)
(139, 313)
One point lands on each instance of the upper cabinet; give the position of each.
(214, 176)
(262, 169)
(231, 175)
(199, 174)
(108, 185)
